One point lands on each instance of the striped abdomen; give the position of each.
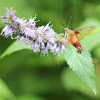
(78, 46)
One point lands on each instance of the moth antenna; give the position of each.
(62, 25)
(69, 21)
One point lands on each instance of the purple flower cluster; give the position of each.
(41, 38)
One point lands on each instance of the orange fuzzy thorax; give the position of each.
(72, 38)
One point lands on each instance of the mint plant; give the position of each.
(44, 39)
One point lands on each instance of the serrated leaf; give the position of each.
(15, 46)
(82, 64)
(72, 82)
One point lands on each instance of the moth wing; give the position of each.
(80, 33)
(86, 29)
(79, 36)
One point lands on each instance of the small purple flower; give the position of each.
(42, 39)
(7, 30)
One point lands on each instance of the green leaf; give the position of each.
(15, 46)
(72, 82)
(5, 92)
(82, 64)
(28, 97)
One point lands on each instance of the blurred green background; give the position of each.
(27, 76)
